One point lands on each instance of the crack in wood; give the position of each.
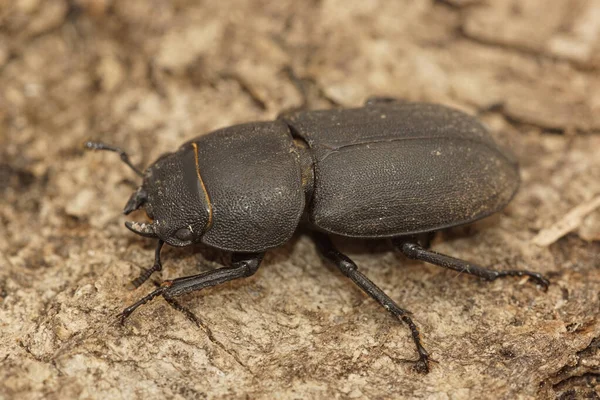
(200, 324)
(575, 380)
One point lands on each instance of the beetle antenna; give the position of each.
(124, 156)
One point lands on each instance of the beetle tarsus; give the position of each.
(129, 310)
(538, 278)
(350, 269)
(412, 250)
(139, 281)
(422, 365)
(144, 276)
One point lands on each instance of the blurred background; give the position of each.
(148, 75)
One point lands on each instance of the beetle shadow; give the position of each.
(207, 258)
(204, 257)
(381, 246)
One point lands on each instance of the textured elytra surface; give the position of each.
(402, 168)
(150, 75)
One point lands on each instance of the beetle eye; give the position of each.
(184, 234)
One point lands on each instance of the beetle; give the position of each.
(390, 169)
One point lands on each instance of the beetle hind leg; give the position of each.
(349, 268)
(410, 248)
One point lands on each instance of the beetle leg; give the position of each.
(412, 250)
(137, 282)
(242, 265)
(349, 268)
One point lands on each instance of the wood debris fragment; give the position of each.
(571, 221)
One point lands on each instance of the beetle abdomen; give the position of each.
(391, 170)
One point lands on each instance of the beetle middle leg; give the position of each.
(411, 249)
(242, 265)
(349, 268)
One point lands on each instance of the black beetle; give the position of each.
(390, 169)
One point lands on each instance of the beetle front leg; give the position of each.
(137, 282)
(349, 268)
(411, 249)
(242, 265)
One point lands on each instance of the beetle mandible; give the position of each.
(390, 169)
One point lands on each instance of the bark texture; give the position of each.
(148, 75)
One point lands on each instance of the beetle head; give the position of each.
(174, 197)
